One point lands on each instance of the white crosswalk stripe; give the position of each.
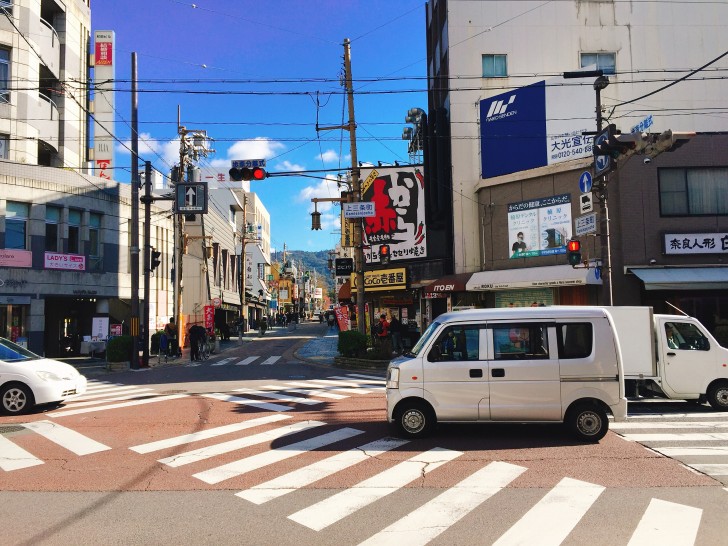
(223, 361)
(14, 457)
(667, 523)
(310, 392)
(312, 383)
(247, 402)
(280, 396)
(66, 413)
(247, 361)
(129, 392)
(270, 360)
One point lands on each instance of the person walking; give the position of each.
(172, 338)
(395, 328)
(197, 334)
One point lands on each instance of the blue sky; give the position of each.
(257, 76)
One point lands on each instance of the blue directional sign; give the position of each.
(585, 182)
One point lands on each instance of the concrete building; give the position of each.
(669, 229)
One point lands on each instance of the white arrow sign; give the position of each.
(191, 198)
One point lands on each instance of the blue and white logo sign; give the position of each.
(585, 182)
(602, 163)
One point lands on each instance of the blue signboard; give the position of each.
(585, 182)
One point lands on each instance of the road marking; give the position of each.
(689, 451)
(114, 406)
(223, 361)
(375, 378)
(712, 469)
(239, 443)
(14, 457)
(138, 396)
(667, 523)
(123, 391)
(243, 466)
(676, 415)
(277, 487)
(310, 392)
(247, 402)
(247, 361)
(430, 520)
(270, 360)
(677, 437)
(280, 396)
(357, 387)
(551, 520)
(101, 387)
(65, 437)
(675, 424)
(208, 433)
(312, 384)
(322, 514)
(360, 382)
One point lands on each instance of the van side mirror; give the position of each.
(435, 354)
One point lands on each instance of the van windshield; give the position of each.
(423, 340)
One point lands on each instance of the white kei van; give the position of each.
(534, 364)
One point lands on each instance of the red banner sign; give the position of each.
(209, 312)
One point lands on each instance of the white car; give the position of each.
(27, 379)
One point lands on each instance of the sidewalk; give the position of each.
(321, 350)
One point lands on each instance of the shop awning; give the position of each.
(552, 276)
(683, 278)
(449, 283)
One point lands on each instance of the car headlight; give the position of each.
(393, 378)
(47, 376)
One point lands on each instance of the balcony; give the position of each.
(43, 115)
(49, 47)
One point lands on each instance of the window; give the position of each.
(575, 340)
(74, 231)
(495, 66)
(517, 341)
(52, 219)
(459, 343)
(693, 192)
(4, 75)
(686, 337)
(94, 231)
(604, 61)
(4, 146)
(16, 225)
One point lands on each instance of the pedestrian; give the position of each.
(395, 328)
(172, 338)
(197, 333)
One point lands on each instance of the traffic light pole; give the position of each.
(604, 240)
(147, 256)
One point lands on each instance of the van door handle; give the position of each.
(476, 373)
(498, 372)
(670, 354)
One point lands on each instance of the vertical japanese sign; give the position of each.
(209, 312)
(398, 194)
(539, 227)
(104, 77)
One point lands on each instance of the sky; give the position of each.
(258, 76)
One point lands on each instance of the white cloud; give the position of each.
(288, 166)
(325, 188)
(258, 148)
(329, 156)
(150, 149)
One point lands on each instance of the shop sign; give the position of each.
(15, 258)
(115, 329)
(695, 243)
(209, 314)
(72, 262)
(382, 279)
(395, 302)
(15, 300)
(435, 295)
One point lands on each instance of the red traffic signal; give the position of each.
(384, 254)
(573, 246)
(247, 173)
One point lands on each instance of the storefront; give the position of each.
(446, 294)
(15, 318)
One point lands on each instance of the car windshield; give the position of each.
(423, 340)
(12, 352)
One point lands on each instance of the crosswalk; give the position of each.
(235, 361)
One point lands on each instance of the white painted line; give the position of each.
(279, 396)
(247, 402)
(125, 391)
(96, 385)
(430, 520)
(341, 383)
(74, 404)
(243, 466)
(194, 364)
(674, 424)
(223, 361)
(360, 382)
(667, 524)
(689, 451)
(65, 437)
(277, 487)
(312, 385)
(270, 360)
(715, 414)
(364, 376)
(677, 437)
(239, 443)
(309, 392)
(712, 469)
(551, 520)
(115, 406)
(14, 457)
(208, 433)
(322, 514)
(247, 361)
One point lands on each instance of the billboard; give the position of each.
(398, 194)
(539, 227)
(535, 126)
(104, 110)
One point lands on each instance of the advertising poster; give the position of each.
(398, 194)
(342, 318)
(209, 312)
(539, 227)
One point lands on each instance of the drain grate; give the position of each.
(7, 429)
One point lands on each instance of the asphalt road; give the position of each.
(255, 446)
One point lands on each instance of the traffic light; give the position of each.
(156, 259)
(247, 173)
(615, 145)
(666, 141)
(384, 254)
(573, 248)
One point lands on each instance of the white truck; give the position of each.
(671, 356)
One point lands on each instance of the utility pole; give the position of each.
(134, 323)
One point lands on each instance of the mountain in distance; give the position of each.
(312, 261)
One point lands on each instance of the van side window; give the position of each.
(575, 339)
(520, 341)
(685, 336)
(459, 343)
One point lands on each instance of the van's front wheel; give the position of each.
(718, 396)
(414, 419)
(589, 423)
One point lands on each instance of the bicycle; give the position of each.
(203, 349)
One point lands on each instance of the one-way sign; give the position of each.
(191, 198)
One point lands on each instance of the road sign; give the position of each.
(247, 163)
(586, 202)
(364, 209)
(344, 266)
(191, 198)
(216, 302)
(585, 224)
(602, 163)
(585, 182)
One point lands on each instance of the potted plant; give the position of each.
(118, 350)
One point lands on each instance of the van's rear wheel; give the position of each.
(589, 423)
(718, 396)
(414, 419)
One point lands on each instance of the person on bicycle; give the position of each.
(197, 335)
(263, 325)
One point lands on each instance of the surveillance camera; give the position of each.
(653, 262)
(647, 160)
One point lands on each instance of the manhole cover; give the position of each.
(7, 429)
